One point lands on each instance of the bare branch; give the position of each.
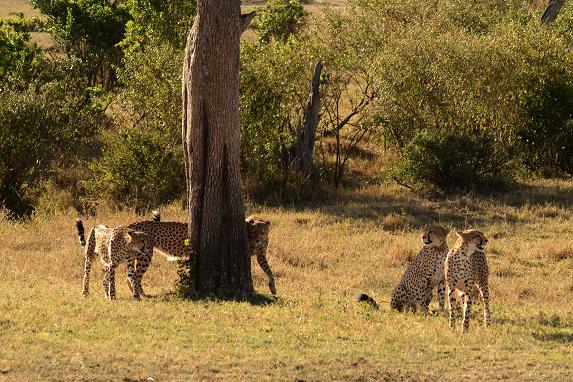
(246, 20)
(552, 10)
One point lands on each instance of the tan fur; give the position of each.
(258, 234)
(467, 273)
(424, 273)
(114, 246)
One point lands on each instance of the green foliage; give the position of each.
(274, 85)
(453, 161)
(143, 166)
(89, 30)
(279, 19)
(40, 134)
(139, 169)
(187, 273)
(158, 21)
(20, 60)
(547, 133)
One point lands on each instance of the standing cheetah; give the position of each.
(258, 233)
(115, 246)
(467, 273)
(169, 239)
(424, 273)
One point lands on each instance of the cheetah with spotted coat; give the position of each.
(258, 233)
(115, 246)
(169, 239)
(424, 273)
(467, 273)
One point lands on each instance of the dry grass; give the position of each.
(359, 241)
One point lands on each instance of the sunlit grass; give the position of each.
(322, 255)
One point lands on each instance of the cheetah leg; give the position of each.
(105, 281)
(467, 312)
(427, 298)
(267, 269)
(453, 307)
(143, 261)
(86, 281)
(442, 294)
(111, 277)
(484, 292)
(130, 281)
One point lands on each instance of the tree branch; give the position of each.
(246, 20)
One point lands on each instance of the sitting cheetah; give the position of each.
(424, 273)
(466, 273)
(115, 246)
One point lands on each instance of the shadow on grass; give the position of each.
(396, 210)
(256, 299)
(556, 336)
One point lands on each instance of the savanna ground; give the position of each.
(322, 255)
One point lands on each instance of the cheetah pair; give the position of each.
(134, 244)
(461, 272)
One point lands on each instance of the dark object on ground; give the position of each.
(364, 297)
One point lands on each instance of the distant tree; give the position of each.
(89, 30)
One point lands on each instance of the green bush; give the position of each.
(89, 30)
(274, 85)
(41, 135)
(451, 161)
(279, 19)
(20, 60)
(547, 131)
(139, 169)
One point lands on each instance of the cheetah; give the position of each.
(169, 239)
(115, 246)
(258, 234)
(424, 273)
(466, 274)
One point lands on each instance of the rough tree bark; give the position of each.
(306, 134)
(553, 8)
(210, 128)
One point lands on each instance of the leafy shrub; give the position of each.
(547, 132)
(20, 60)
(89, 30)
(453, 161)
(279, 19)
(42, 134)
(273, 98)
(139, 169)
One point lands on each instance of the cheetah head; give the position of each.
(136, 240)
(473, 238)
(257, 229)
(435, 236)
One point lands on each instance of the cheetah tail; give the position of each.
(364, 297)
(81, 232)
(156, 216)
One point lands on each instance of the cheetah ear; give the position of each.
(250, 221)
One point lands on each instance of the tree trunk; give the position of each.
(211, 139)
(551, 11)
(306, 134)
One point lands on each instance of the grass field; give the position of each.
(359, 241)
